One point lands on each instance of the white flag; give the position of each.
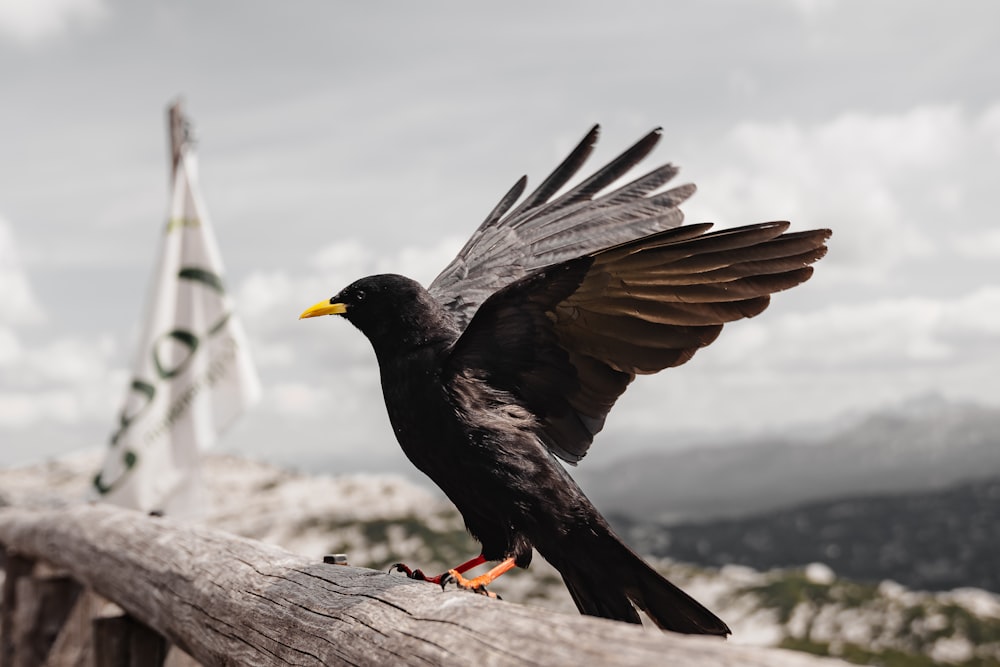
(193, 375)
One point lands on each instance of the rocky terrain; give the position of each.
(934, 540)
(378, 520)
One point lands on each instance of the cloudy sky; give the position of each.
(339, 139)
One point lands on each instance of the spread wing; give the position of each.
(542, 231)
(567, 340)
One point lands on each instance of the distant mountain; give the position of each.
(923, 445)
(937, 540)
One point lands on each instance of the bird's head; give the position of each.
(391, 310)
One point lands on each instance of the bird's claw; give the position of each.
(417, 575)
(405, 569)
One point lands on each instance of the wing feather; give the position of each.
(567, 340)
(545, 229)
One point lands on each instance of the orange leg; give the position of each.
(478, 584)
(417, 574)
(469, 564)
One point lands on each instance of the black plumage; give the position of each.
(518, 350)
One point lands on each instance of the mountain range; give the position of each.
(924, 445)
(933, 540)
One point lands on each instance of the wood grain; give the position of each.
(227, 600)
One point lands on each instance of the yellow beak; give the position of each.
(324, 308)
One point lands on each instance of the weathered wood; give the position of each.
(16, 568)
(226, 600)
(74, 647)
(43, 603)
(146, 647)
(178, 658)
(111, 641)
(122, 641)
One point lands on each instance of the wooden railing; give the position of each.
(226, 600)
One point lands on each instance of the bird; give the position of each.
(505, 367)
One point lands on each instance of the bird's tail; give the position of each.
(607, 580)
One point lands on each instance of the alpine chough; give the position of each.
(516, 352)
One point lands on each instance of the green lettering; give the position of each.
(147, 391)
(202, 276)
(183, 337)
(129, 459)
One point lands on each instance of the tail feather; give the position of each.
(595, 599)
(607, 581)
(669, 606)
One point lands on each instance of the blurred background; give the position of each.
(855, 423)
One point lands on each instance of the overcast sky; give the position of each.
(337, 140)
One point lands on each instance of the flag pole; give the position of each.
(179, 131)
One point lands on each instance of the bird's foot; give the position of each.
(440, 578)
(476, 585)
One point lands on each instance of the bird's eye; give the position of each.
(359, 296)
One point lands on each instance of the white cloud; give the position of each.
(270, 302)
(989, 126)
(272, 354)
(296, 399)
(884, 334)
(344, 256)
(808, 367)
(22, 409)
(882, 182)
(813, 9)
(263, 295)
(32, 20)
(975, 314)
(422, 264)
(63, 379)
(20, 305)
(68, 380)
(70, 360)
(980, 245)
(812, 366)
(923, 136)
(10, 347)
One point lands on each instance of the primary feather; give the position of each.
(543, 231)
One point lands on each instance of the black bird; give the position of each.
(515, 354)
